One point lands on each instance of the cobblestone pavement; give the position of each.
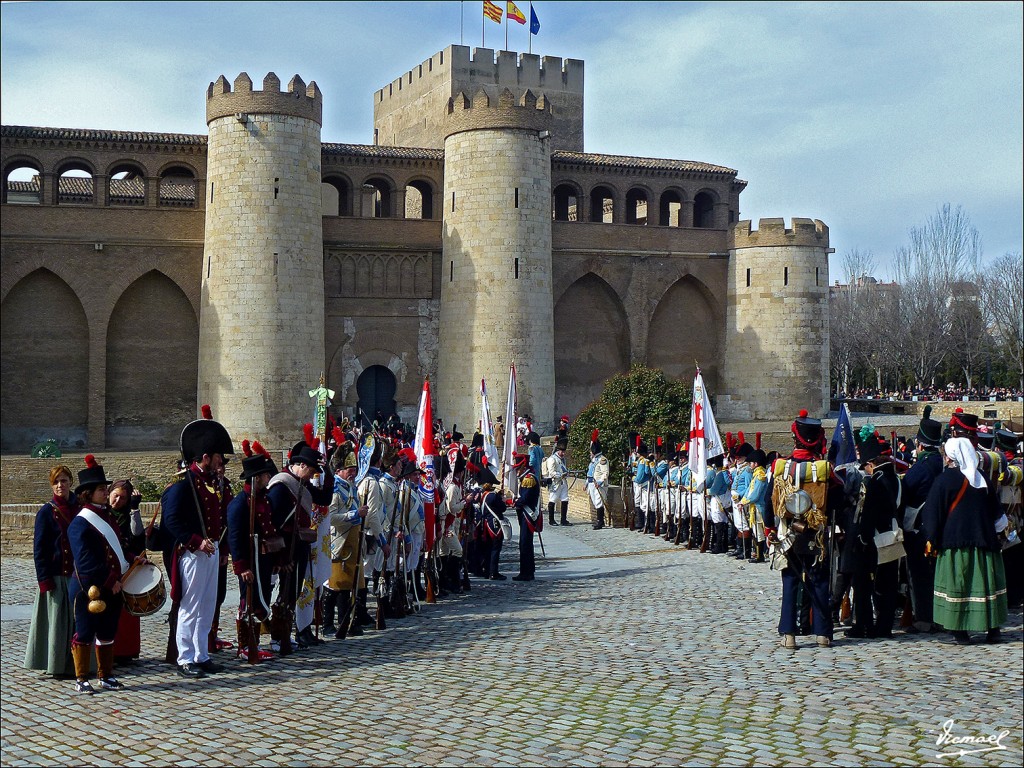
(625, 651)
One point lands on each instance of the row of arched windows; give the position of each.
(75, 181)
(637, 206)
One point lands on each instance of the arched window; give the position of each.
(636, 207)
(419, 200)
(178, 187)
(22, 184)
(336, 194)
(703, 211)
(127, 185)
(602, 205)
(671, 209)
(75, 184)
(565, 202)
(376, 198)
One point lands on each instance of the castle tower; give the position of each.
(776, 336)
(261, 326)
(496, 283)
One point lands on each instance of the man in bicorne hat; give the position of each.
(597, 480)
(917, 483)
(530, 519)
(558, 489)
(194, 516)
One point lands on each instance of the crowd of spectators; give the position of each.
(934, 394)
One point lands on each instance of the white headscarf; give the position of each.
(964, 455)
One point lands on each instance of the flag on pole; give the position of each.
(490, 451)
(424, 447)
(842, 439)
(534, 21)
(514, 14)
(510, 432)
(492, 11)
(705, 440)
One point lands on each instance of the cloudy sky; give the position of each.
(869, 116)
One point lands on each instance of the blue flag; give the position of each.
(534, 21)
(842, 439)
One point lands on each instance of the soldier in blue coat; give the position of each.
(530, 519)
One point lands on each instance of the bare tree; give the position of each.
(1002, 298)
(847, 317)
(942, 253)
(969, 340)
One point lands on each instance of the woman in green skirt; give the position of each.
(53, 621)
(959, 521)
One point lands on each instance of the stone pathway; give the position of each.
(625, 651)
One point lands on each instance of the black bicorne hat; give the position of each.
(205, 436)
(758, 457)
(561, 445)
(302, 452)
(930, 431)
(1006, 440)
(986, 437)
(477, 441)
(871, 449)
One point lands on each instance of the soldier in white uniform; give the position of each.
(597, 481)
(453, 503)
(558, 490)
(370, 494)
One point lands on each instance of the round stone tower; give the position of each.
(776, 333)
(261, 325)
(496, 285)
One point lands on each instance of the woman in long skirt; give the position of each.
(53, 621)
(959, 524)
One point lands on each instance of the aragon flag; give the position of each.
(514, 14)
(424, 446)
(492, 11)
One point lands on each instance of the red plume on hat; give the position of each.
(257, 447)
(757, 440)
(740, 438)
(90, 461)
(246, 448)
(307, 433)
(594, 434)
(637, 441)
(338, 435)
(659, 442)
(206, 411)
(315, 443)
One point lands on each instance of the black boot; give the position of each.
(723, 538)
(565, 512)
(551, 513)
(600, 520)
(363, 618)
(328, 604)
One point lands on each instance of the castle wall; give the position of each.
(262, 321)
(777, 335)
(410, 110)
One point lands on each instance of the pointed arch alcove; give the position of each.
(684, 328)
(152, 364)
(44, 334)
(592, 342)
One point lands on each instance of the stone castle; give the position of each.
(144, 273)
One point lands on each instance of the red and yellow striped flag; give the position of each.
(514, 14)
(492, 11)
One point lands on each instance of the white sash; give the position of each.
(107, 532)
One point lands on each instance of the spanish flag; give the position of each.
(514, 14)
(492, 11)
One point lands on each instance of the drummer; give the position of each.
(124, 505)
(95, 590)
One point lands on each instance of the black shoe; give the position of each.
(552, 522)
(597, 527)
(300, 642)
(498, 577)
(330, 629)
(858, 632)
(308, 637)
(190, 670)
(994, 635)
(210, 667)
(566, 523)
(958, 638)
(364, 620)
(84, 686)
(355, 631)
(520, 577)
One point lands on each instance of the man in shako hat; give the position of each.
(194, 517)
(530, 518)
(255, 552)
(806, 560)
(292, 495)
(917, 483)
(597, 480)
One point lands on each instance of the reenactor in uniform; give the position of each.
(558, 489)
(530, 519)
(741, 476)
(254, 552)
(643, 473)
(597, 481)
(661, 469)
(453, 502)
(1008, 443)
(346, 521)
(194, 518)
(493, 511)
(717, 484)
(753, 500)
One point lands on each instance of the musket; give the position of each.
(679, 524)
(357, 576)
(706, 523)
(286, 588)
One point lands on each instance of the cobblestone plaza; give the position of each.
(625, 651)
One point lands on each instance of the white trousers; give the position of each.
(719, 513)
(739, 516)
(558, 493)
(596, 495)
(199, 573)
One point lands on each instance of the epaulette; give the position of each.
(528, 482)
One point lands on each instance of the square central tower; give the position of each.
(410, 111)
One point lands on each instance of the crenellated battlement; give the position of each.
(225, 99)
(525, 112)
(773, 232)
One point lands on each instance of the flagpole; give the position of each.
(506, 28)
(530, 31)
(462, 21)
(483, 24)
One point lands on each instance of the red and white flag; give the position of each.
(424, 447)
(490, 451)
(705, 441)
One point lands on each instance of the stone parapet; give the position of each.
(773, 232)
(528, 112)
(225, 99)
